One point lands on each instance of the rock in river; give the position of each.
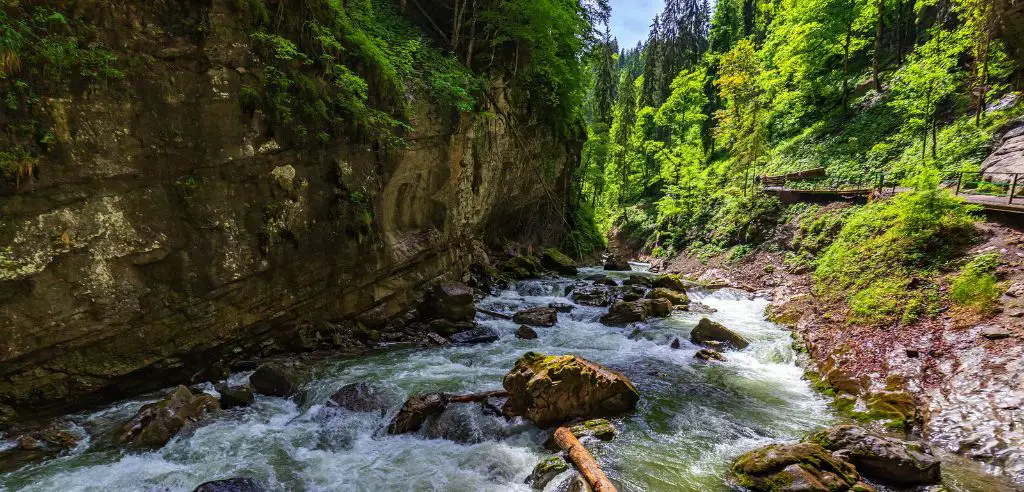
(416, 410)
(452, 301)
(526, 333)
(709, 355)
(593, 295)
(882, 459)
(231, 485)
(624, 312)
(710, 331)
(803, 467)
(156, 423)
(553, 259)
(546, 471)
(235, 396)
(360, 397)
(617, 264)
(670, 282)
(273, 379)
(480, 334)
(553, 389)
(677, 298)
(541, 316)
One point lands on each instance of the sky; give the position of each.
(631, 19)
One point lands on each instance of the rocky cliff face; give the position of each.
(168, 232)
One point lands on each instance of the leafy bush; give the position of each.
(976, 286)
(885, 249)
(584, 237)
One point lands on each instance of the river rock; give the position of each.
(677, 298)
(231, 485)
(623, 313)
(448, 327)
(700, 308)
(562, 307)
(526, 333)
(540, 316)
(640, 280)
(522, 267)
(675, 344)
(546, 471)
(156, 423)
(710, 331)
(670, 282)
(601, 429)
(273, 379)
(882, 459)
(480, 334)
(555, 260)
(433, 339)
(450, 300)
(803, 467)
(609, 282)
(617, 264)
(553, 389)
(578, 484)
(360, 397)
(416, 410)
(709, 355)
(660, 308)
(592, 295)
(235, 396)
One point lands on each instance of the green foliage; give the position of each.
(42, 54)
(584, 237)
(976, 286)
(885, 252)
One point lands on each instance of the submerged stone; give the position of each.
(360, 397)
(526, 333)
(709, 355)
(480, 334)
(156, 423)
(710, 331)
(235, 396)
(231, 485)
(553, 389)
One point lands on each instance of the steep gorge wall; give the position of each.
(167, 231)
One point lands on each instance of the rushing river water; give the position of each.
(693, 418)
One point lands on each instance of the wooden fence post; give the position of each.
(1013, 187)
(959, 181)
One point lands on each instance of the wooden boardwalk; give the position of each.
(988, 202)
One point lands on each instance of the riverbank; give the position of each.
(963, 373)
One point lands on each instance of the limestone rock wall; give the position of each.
(168, 232)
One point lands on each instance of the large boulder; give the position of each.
(273, 379)
(709, 332)
(617, 264)
(522, 267)
(540, 316)
(480, 334)
(677, 298)
(553, 259)
(552, 389)
(882, 459)
(593, 295)
(1008, 154)
(360, 397)
(448, 327)
(625, 312)
(235, 396)
(231, 485)
(670, 282)
(452, 301)
(156, 423)
(416, 411)
(526, 333)
(803, 467)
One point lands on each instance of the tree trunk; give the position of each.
(983, 82)
(583, 460)
(876, 61)
(846, 66)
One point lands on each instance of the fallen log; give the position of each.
(493, 314)
(583, 460)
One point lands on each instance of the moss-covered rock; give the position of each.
(677, 298)
(670, 282)
(617, 264)
(593, 295)
(156, 423)
(805, 467)
(235, 396)
(883, 459)
(625, 312)
(546, 471)
(708, 332)
(522, 267)
(553, 389)
(555, 260)
(896, 409)
(601, 429)
(709, 355)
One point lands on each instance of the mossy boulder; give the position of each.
(522, 267)
(156, 423)
(552, 389)
(601, 429)
(546, 471)
(670, 282)
(592, 295)
(235, 396)
(896, 409)
(882, 459)
(640, 280)
(677, 298)
(450, 300)
(555, 260)
(708, 332)
(625, 312)
(617, 264)
(709, 355)
(804, 467)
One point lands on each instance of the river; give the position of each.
(692, 420)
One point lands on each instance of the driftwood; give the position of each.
(583, 460)
(494, 314)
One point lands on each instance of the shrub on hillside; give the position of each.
(882, 258)
(976, 286)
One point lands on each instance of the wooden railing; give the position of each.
(1008, 185)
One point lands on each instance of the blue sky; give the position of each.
(631, 19)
